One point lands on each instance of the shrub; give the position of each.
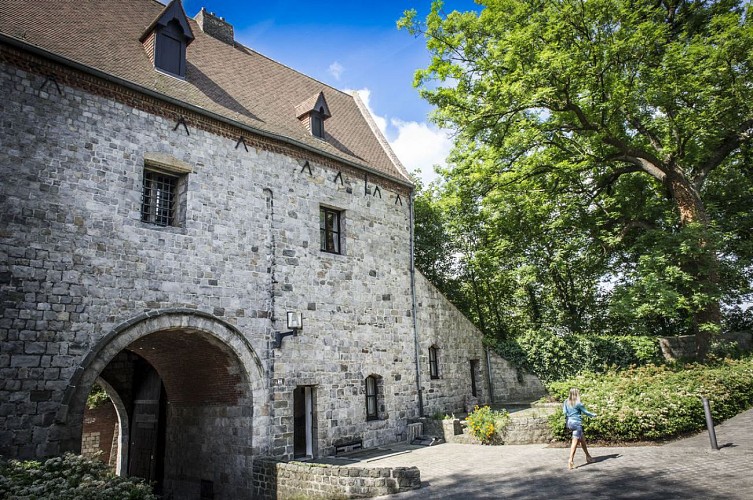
(657, 402)
(487, 425)
(553, 357)
(70, 477)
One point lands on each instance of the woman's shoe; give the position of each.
(570, 465)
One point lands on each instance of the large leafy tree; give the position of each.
(590, 94)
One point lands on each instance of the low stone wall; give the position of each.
(683, 346)
(298, 480)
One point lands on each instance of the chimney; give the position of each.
(215, 26)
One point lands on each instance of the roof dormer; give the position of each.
(166, 39)
(312, 112)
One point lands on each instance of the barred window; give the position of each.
(160, 198)
(330, 230)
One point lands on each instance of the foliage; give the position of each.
(601, 168)
(657, 402)
(68, 477)
(97, 397)
(487, 425)
(553, 357)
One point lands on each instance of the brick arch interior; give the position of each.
(209, 412)
(210, 375)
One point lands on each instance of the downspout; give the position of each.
(415, 309)
(489, 376)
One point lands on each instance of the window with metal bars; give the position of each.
(159, 198)
(330, 230)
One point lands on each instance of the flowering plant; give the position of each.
(487, 425)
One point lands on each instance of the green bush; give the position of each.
(487, 425)
(70, 477)
(553, 357)
(653, 403)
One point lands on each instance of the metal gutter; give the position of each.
(416, 344)
(39, 51)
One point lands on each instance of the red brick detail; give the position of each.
(102, 420)
(97, 86)
(194, 370)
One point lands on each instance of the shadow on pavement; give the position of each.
(539, 483)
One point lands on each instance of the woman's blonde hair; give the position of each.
(574, 398)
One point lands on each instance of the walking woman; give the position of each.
(574, 410)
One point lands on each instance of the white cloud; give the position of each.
(418, 145)
(336, 69)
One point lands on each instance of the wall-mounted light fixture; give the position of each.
(295, 323)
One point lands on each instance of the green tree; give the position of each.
(589, 93)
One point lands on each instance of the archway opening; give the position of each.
(187, 408)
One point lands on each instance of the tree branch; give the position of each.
(729, 144)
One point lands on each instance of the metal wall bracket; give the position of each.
(281, 335)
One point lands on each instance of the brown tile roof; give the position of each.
(234, 82)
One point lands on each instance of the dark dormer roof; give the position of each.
(173, 12)
(316, 103)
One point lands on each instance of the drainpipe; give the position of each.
(489, 376)
(415, 321)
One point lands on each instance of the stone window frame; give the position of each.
(326, 234)
(171, 173)
(374, 391)
(434, 362)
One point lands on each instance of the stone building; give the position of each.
(222, 243)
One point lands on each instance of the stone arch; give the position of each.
(124, 425)
(210, 376)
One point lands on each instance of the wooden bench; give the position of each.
(350, 446)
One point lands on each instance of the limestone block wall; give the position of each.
(278, 480)
(440, 324)
(77, 263)
(512, 384)
(458, 343)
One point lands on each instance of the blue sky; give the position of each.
(351, 46)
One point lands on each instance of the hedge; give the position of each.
(553, 357)
(653, 403)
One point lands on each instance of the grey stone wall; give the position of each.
(459, 341)
(76, 262)
(512, 384)
(683, 346)
(277, 480)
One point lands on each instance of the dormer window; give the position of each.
(317, 124)
(166, 40)
(313, 112)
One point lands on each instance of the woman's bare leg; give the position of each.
(585, 449)
(573, 447)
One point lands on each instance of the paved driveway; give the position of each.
(688, 468)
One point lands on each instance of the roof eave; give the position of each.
(39, 51)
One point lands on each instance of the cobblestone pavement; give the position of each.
(687, 468)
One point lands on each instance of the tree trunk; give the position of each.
(705, 267)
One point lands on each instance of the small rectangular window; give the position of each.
(371, 398)
(317, 125)
(163, 197)
(330, 230)
(433, 365)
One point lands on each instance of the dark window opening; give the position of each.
(317, 125)
(170, 50)
(433, 365)
(371, 398)
(158, 198)
(329, 229)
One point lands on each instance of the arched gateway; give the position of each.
(186, 382)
